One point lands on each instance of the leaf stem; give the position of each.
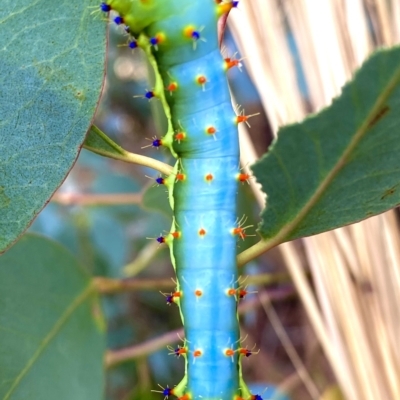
(256, 250)
(109, 148)
(142, 260)
(164, 168)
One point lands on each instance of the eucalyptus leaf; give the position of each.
(98, 142)
(52, 337)
(52, 68)
(341, 165)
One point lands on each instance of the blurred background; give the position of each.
(325, 312)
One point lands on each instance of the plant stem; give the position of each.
(116, 357)
(256, 250)
(91, 199)
(112, 286)
(142, 260)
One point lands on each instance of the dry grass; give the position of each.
(354, 305)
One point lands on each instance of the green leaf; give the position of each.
(52, 67)
(98, 142)
(341, 165)
(51, 335)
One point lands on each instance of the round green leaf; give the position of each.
(51, 333)
(52, 67)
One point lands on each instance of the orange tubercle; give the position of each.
(231, 292)
(229, 352)
(172, 86)
(244, 118)
(180, 176)
(185, 397)
(209, 177)
(202, 232)
(197, 353)
(240, 232)
(211, 130)
(176, 234)
(198, 292)
(241, 118)
(231, 62)
(201, 80)
(243, 177)
(181, 351)
(180, 136)
(246, 352)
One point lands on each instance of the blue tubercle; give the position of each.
(105, 7)
(149, 95)
(161, 239)
(153, 41)
(118, 20)
(133, 44)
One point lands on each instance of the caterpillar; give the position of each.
(180, 38)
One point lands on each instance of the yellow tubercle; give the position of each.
(224, 8)
(188, 31)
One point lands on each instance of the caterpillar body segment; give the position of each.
(180, 37)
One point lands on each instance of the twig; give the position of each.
(112, 286)
(115, 357)
(91, 199)
(142, 260)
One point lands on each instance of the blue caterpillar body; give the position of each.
(181, 39)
